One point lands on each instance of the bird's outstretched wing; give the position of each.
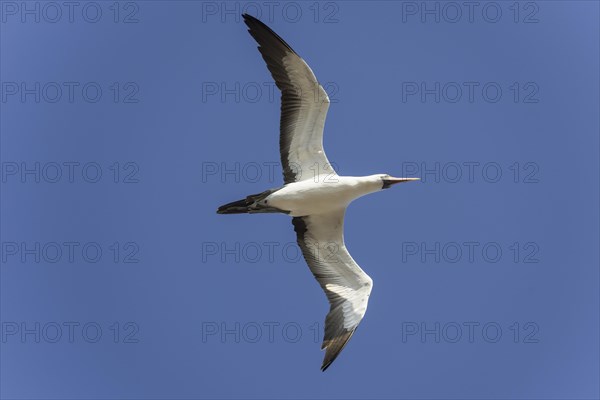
(304, 105)
(347, 286)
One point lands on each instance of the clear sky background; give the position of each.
(124, 126)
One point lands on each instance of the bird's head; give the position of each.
(387, 181)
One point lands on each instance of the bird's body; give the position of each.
(316, 201)
(323, 194)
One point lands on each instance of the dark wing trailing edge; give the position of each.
(346, 285)
(304, 105)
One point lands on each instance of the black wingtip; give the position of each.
(249, 20)
(254, 24)
(325, 366)
(334, 347)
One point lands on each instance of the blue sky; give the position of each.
(123, 127)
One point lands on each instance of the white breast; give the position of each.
(319, 195)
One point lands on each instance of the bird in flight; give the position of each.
(313, 194)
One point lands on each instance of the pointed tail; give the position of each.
(251, 204)
(236, 207)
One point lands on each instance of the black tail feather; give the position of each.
(236, 207)
(251, 204)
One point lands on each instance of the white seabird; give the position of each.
(317, 202)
